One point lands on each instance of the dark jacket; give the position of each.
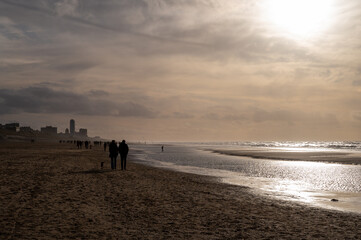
(113, 149)
(123, 149)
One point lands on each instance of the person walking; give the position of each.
(113, 153)
(123, 151)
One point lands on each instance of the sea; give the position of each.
(317, 174)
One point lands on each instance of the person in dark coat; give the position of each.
(113, 153)
(123, 151)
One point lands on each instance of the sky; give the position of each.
(184, 70)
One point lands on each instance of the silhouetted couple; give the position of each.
(123, 150)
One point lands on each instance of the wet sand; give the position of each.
(57, 191)
(315, 156)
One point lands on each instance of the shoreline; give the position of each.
(310, 156)
(290, 190)
(57, 191)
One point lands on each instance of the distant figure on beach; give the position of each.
(162, 148)
(105, 146)
(123, 151)
(113, 153)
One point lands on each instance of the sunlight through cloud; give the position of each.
(303, 18)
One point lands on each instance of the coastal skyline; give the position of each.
(184, 70)
(14, 129)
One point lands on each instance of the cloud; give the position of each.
(212, 116)
(74, 66)
(357, 116)
(59, 84)
(119, 12)
(98, 93)
(171, 27)
(276, 115)
(356, 82)
(10, 30)
(66, 7)
(208, 63)
(46, 100)
(181, 115)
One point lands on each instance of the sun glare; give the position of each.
(300, 17)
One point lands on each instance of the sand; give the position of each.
(55, 191)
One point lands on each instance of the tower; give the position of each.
(72, 126)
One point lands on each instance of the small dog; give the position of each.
(101, 165)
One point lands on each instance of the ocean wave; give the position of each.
(347, 145)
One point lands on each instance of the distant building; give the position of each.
(49, 130)
(26, 129)
(72, 126)
(12, 127)
(83, 132)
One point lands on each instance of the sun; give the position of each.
(299, 17)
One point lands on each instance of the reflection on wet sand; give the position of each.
(311, 182)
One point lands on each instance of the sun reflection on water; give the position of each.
(310, 182)
(293, 190)
(301, 149)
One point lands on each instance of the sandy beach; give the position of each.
(55, 191)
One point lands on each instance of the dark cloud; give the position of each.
(46, 100)
(59, 83)
(98, 93)
(52, 10)
(166, 31)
